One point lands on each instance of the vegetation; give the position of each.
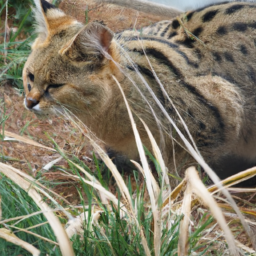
(128, 216)
(13, 48)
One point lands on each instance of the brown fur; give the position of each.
(205, 60)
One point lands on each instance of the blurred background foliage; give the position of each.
(16, 37)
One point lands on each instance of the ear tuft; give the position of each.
(44, 13)
(46, 6)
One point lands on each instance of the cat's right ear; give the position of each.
(92, 42)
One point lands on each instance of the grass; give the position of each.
(16, 40)
(16, 202)
(13, 50)
(131, 216)
(113, 233)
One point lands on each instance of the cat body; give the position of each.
(204, 59)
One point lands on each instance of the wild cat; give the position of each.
(204, 59)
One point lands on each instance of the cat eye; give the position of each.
(31, 77)
(54, 86)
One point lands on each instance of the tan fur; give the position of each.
(205, 60)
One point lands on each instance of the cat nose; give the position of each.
(32, 98)
(30, 102)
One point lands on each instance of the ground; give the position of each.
(32, 159)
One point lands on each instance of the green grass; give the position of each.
(13, 50)
(113, 234)
(16, 202)
(3, 118)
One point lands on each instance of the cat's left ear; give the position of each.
(46, 16)
(93, 40)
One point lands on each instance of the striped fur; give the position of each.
(205, 60)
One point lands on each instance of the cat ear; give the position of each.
(45, 13)
(92, 41)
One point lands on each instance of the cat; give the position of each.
(205, 60)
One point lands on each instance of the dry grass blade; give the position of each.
(10, 237)
(112, 198)
(201, 191)
(157, 153)
(25, 140)
(245, 248)
(155, 186)
(100, 188)
(149, 183)
(159, 158)
(235, 179)
(60, 233)
(184, 225)
(48, 166)
(34, 234)
(242, 190)
(120, 182)
(43, 189)
(175, 193)
(242, 209)
(140, 149)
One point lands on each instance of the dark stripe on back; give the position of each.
(171, 45)
(216, 56)
(197, 31)
(222, 30)
(237, 26)
(165, 61)
(240, 26)
(156, 39)
(143, 70)
(189, 16)
(251, 74)
(172, 34)
(234, 8)
(188, 42)
(150, 75)
(165, 30)
(206, 103)
(209, 15)
(228, 56)
(189, 62)
(243, 49)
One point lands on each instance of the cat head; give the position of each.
(67, 63)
